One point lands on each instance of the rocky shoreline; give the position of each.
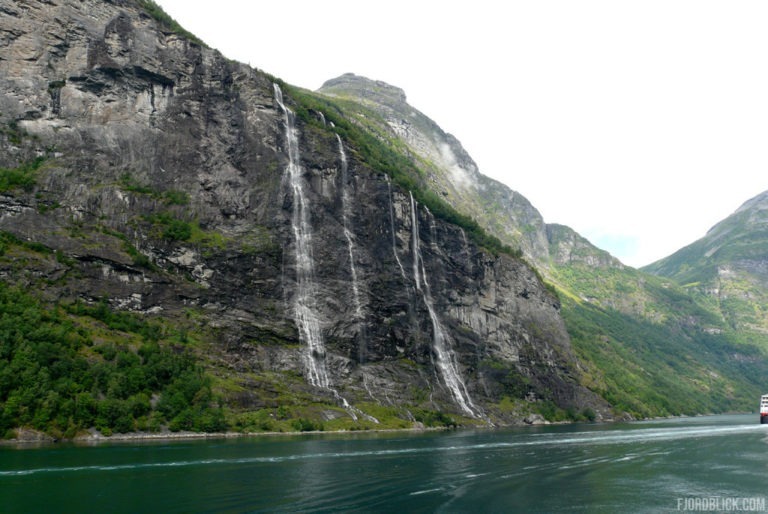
(30, 437)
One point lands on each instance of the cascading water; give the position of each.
(415, 243)
(346, 215)
(441, 344)
(304, 306)
(392, 227)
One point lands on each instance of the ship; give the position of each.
(764, 409)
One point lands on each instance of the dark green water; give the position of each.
(638, 467)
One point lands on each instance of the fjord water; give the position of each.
(637, 467)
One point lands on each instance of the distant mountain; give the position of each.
(728, 268)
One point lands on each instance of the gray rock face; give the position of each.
(147, 134)
(569, 248)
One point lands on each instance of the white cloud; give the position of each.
(459, 175)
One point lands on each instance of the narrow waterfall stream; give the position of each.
(415, 244)
(347, 215)
(392, 227)
(304, 301)
(446, 360)
(304, 304)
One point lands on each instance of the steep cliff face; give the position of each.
(175, 183)
(575, 266)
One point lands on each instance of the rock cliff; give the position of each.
(175, 183)
(635, 333)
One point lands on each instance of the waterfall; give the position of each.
(392, 227)
(446, 361)
(304, 306)
(346, 215)
(415, 243)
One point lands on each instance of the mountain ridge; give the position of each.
(187, 204)
(465, 186)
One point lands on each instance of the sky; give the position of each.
(639, 124)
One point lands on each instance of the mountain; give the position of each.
(648, 346)
(728, 268)
(189, 243)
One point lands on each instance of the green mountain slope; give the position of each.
(727, 269)
(652, 348)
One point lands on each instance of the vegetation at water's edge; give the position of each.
(67, 368)
(70, 367)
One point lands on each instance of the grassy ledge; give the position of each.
(164, 19)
